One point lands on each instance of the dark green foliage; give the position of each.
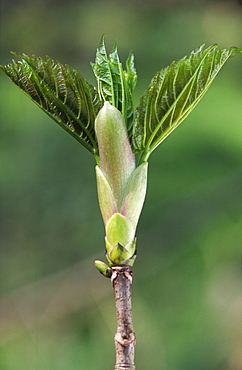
(61, 92)
(73, 103)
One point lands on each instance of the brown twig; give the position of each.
(125, 337)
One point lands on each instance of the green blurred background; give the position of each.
(56, 311)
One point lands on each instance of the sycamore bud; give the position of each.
(121, 187)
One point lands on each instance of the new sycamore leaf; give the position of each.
(172, 94)
(115, 85)
(61, 92)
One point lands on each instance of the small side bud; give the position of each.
(103, 268)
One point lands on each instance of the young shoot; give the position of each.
(121, 138)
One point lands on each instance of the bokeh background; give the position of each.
(56, 311)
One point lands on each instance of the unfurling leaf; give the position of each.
(114, 84)
(61, 92)
(172, 94)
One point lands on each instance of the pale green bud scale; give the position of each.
(106, 199)
(117, 160)
(134, 195)
(119, 230)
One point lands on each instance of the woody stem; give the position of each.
(125, 339)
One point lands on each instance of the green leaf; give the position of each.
(114, 84)
(61, 92)
(172, 94)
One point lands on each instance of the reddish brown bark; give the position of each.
(125, 337)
